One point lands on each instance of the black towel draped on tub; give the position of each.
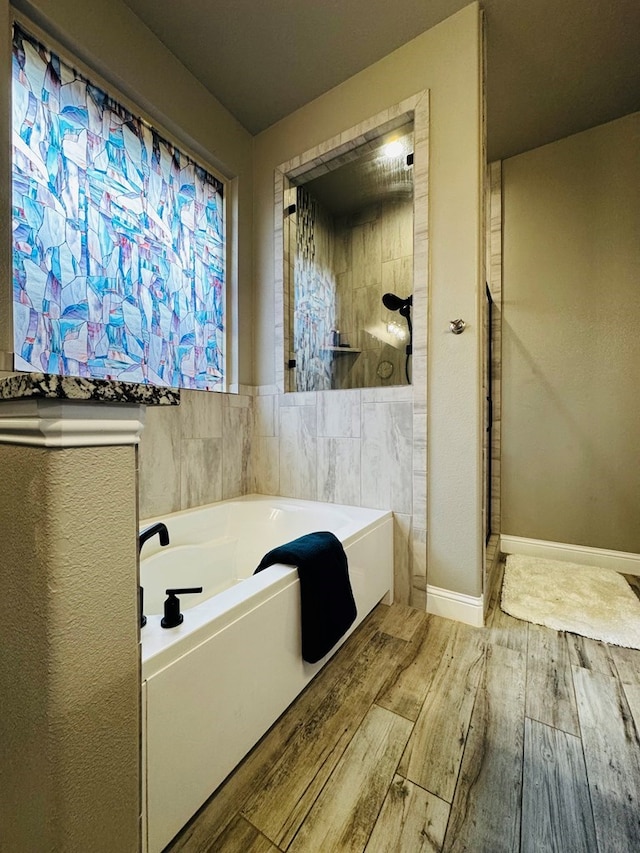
(328, 608)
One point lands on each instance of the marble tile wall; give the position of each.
(352, 447)
(196, 453)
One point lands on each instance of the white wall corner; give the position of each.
(455, 605)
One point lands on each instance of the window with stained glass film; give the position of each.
(118, 237)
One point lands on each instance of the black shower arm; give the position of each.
(405, 312)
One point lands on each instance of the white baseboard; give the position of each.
(619, 561)
(455, 605)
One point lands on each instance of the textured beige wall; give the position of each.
(571, 347)
(69, 669)
(446, 60)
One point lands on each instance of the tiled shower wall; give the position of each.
(314, 310)
(342, 267)
(352, 447)
(374, 255)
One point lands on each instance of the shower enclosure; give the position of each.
(348, 243)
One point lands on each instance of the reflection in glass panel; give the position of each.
(349, 266)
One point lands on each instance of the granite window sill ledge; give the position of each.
(25, 386)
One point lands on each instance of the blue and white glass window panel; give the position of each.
(118, 238)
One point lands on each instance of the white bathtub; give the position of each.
(212, 686)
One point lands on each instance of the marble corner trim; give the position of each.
(281, 342)
(24, 386)
(65, 423)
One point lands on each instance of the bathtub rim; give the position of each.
(370, 515)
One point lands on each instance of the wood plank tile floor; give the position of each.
(423, 734)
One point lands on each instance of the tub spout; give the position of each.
(159, 529)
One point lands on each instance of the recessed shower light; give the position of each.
(393, 149)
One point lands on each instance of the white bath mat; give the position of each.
(593, 602)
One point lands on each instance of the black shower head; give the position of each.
(396, 303)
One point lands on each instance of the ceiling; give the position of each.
(554, 67)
